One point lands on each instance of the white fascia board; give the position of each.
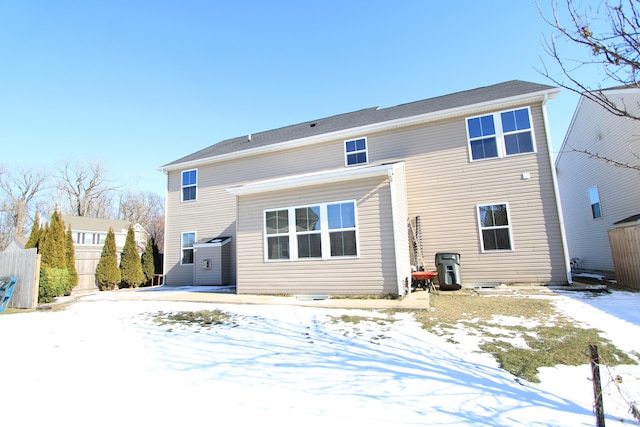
(375, 127)
(320, 178)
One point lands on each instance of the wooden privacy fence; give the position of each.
(625, 249)
(25, 265)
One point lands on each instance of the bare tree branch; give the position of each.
(146, 209)
(87, 189)
(18, 190)
(610, 38)
(611, 44)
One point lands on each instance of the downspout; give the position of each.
(396, 243)
(556, 192)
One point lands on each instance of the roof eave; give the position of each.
(538, 96)
(314, 179)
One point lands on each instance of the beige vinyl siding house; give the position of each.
(596, 194)
(392, 165)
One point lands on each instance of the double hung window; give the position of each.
(594, 200)
(322, 231)
(277, 231)
(500, 134)
(188, 240)
(189, 184)
(495, 228)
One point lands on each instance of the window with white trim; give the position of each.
(500, 134)
(355, 151)
(321, 231)
(594, 200)
(495, 228)
(83, 238)
(188, 240)
(277, 232)
(189, 184)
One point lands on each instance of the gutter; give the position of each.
(556, 192)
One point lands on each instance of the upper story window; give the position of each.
(83, 238)
(594, 199)
(495, 228)
(189, 184)
(355, 151)
(500, 134)
(323, 231)
(188, 240)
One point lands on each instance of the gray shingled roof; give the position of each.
(83, 223)
(366, 117)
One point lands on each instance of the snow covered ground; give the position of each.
(105, 362)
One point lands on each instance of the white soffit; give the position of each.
(320, 178)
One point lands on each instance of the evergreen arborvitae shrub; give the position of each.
(53, 282)
(148, 264)
(34, 236)
(53, 242)
(70, 255)
(130, 266)
(51, 247)
(107, 271)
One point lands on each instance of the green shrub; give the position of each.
(54, 281)
(107, 271)
(130, 265)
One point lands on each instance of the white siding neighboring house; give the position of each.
(323, 207)
(595, 194)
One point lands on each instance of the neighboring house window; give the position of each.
(494, 227)
(82, 238)
(189, 184)
(322, 231)
(500, 134)
(277, 231)
(356, 151)
(188, 240)
(594, 199)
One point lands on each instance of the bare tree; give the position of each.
(610, 36)
(18, 192)
(87, 189)
(146, 209)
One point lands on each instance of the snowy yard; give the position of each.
(287, 365)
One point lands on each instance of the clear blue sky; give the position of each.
(138, 84)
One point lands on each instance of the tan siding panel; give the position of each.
(443, 187)
(373, 272)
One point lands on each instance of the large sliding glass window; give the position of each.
(322, 231)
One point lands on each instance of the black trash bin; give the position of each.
(448, 266)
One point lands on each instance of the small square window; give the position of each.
(356, 151)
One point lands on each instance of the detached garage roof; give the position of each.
(369, 116)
